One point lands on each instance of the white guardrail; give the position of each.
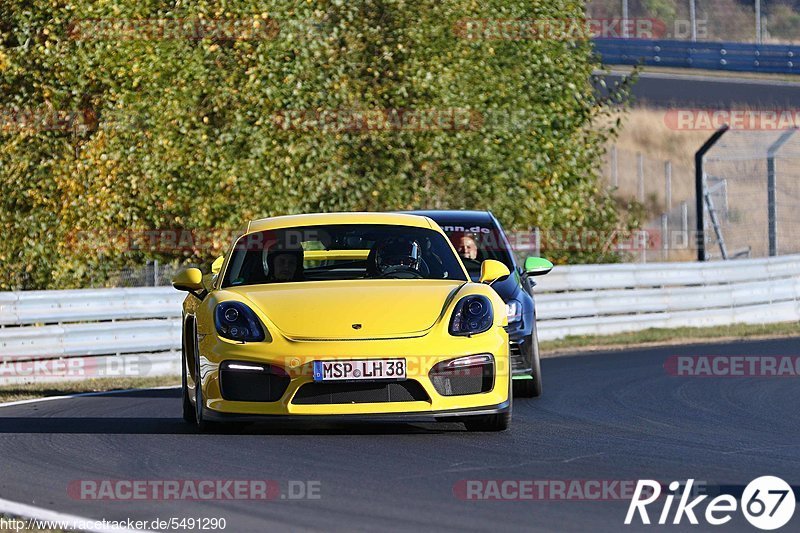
(571, 300)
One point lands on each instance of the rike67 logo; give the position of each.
(767, 502)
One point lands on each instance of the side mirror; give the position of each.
(189, 280)
(537, 266)
(216, 266)
(492, 270)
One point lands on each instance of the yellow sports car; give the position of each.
(345, 316)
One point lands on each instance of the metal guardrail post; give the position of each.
(772, 204)
(699, 189)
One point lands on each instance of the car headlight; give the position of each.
(237, 322)
(472, 314)
(514, 311)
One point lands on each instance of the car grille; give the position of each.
(338, 393)
(249, 386)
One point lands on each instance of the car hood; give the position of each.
(355, 309)
(507, 288)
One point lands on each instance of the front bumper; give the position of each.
(296, 358)
(454, 415)
(520, 340)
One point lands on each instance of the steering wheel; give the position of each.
(401, 272)
(471, 263)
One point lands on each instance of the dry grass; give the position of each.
(12, 393)
(666, 337)
(645, 131)
(739, 159)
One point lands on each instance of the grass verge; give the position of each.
(26, 391)
(663, 336)
(568, 345)
(707, 73)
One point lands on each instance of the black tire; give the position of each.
(202, 424)
(531, 388)
(498, 422)
(188, 408)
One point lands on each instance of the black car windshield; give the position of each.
(341, 252)
(476, 243)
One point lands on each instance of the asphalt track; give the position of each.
(655, 89)
(610, 416)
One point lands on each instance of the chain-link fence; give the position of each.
(756, 21)
(153, 274)
(665, 192)
(752, 194)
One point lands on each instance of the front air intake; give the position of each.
(462, 376)
(249, 382)
(348, 393)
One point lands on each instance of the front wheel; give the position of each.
(531, 387)
(498, 422)
(203, 425)
(495, 422)
(188, 408)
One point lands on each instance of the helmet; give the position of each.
(395, 253)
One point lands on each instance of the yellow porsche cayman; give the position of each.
(347, 315)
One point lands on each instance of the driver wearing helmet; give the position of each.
(396, 255)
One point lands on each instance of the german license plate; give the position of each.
(360, 370)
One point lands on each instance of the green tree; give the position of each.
(190, 131)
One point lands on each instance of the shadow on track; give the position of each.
(175, 426)
(165, 425)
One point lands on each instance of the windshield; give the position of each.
(341, 252)
(476, 243)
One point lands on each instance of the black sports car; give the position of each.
(477, 236)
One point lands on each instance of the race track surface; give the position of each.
(610, 416)
(656, 89)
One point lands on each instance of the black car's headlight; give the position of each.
(237, 322)
(472, 314)
(514, 311)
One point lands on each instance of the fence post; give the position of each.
(685, 221)
(699, 186)
(772, 203)
(665, 236)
